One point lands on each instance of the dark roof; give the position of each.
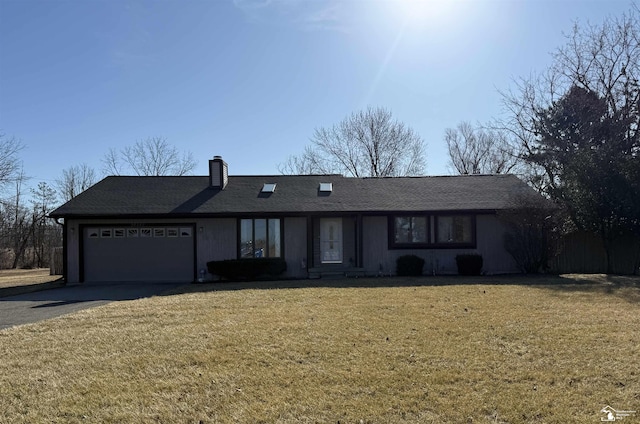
(179, 196)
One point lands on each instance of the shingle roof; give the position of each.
(179, 196)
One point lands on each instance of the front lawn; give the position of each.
(366, 351)
(25, 277)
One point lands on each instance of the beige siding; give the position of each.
(73, 252)
(215, 240)
(375, 253)
(490, 233)
(377, 256)
(316, 243)
(349, 241)
(295, 247)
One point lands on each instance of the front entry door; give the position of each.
(331, 240)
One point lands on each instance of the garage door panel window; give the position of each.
(260, 238)
(136, 232)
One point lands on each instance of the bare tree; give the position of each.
(579, 127)
(368, 143)
(16, 229)
(75, 180)
(111, 163)
(9, 160)
(534, 230)
(602, 59)
(480, 151)
(153, 156)
(43, 201)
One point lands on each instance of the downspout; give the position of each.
(64, 247)
(359, 241)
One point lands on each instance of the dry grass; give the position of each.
(390, 351)
(25, 277)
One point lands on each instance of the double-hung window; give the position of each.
(432, 231)
(411, 229)
(454, 229)
(260, 238)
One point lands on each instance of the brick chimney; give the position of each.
(218, 173)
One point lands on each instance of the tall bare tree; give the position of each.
(602, 59)
(476, 150)
(304, 164)
(16, 221)
(9, 160)
(579, 127)
(43, 201)
(368, 143)
(153, 156)
(75, 180)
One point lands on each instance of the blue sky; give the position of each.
(251, 79)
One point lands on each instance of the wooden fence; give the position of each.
(55, 266)
(584, 253)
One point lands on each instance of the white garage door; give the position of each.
(149, 253)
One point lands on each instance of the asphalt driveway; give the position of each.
(38, 306)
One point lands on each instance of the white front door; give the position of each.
(331, 240)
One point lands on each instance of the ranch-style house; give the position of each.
(135, 228)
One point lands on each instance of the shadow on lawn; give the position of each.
(623, 286)
(626, 286)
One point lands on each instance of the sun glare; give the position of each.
(413, 12)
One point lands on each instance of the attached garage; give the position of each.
(167, 228)
(138, 253)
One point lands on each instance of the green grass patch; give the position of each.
(371, 351)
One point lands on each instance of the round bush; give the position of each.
(409, 265)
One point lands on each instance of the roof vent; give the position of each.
(326, 187)
(268, 188)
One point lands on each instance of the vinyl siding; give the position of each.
(295, 246)
(489, 234)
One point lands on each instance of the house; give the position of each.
(134, 228)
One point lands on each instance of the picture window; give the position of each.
(260, 238)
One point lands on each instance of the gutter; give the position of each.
(64, 245)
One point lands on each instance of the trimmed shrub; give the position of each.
(469, 264)
(409, 265)
(248, 269)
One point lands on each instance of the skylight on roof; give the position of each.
(326, 187)
(269, 187)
